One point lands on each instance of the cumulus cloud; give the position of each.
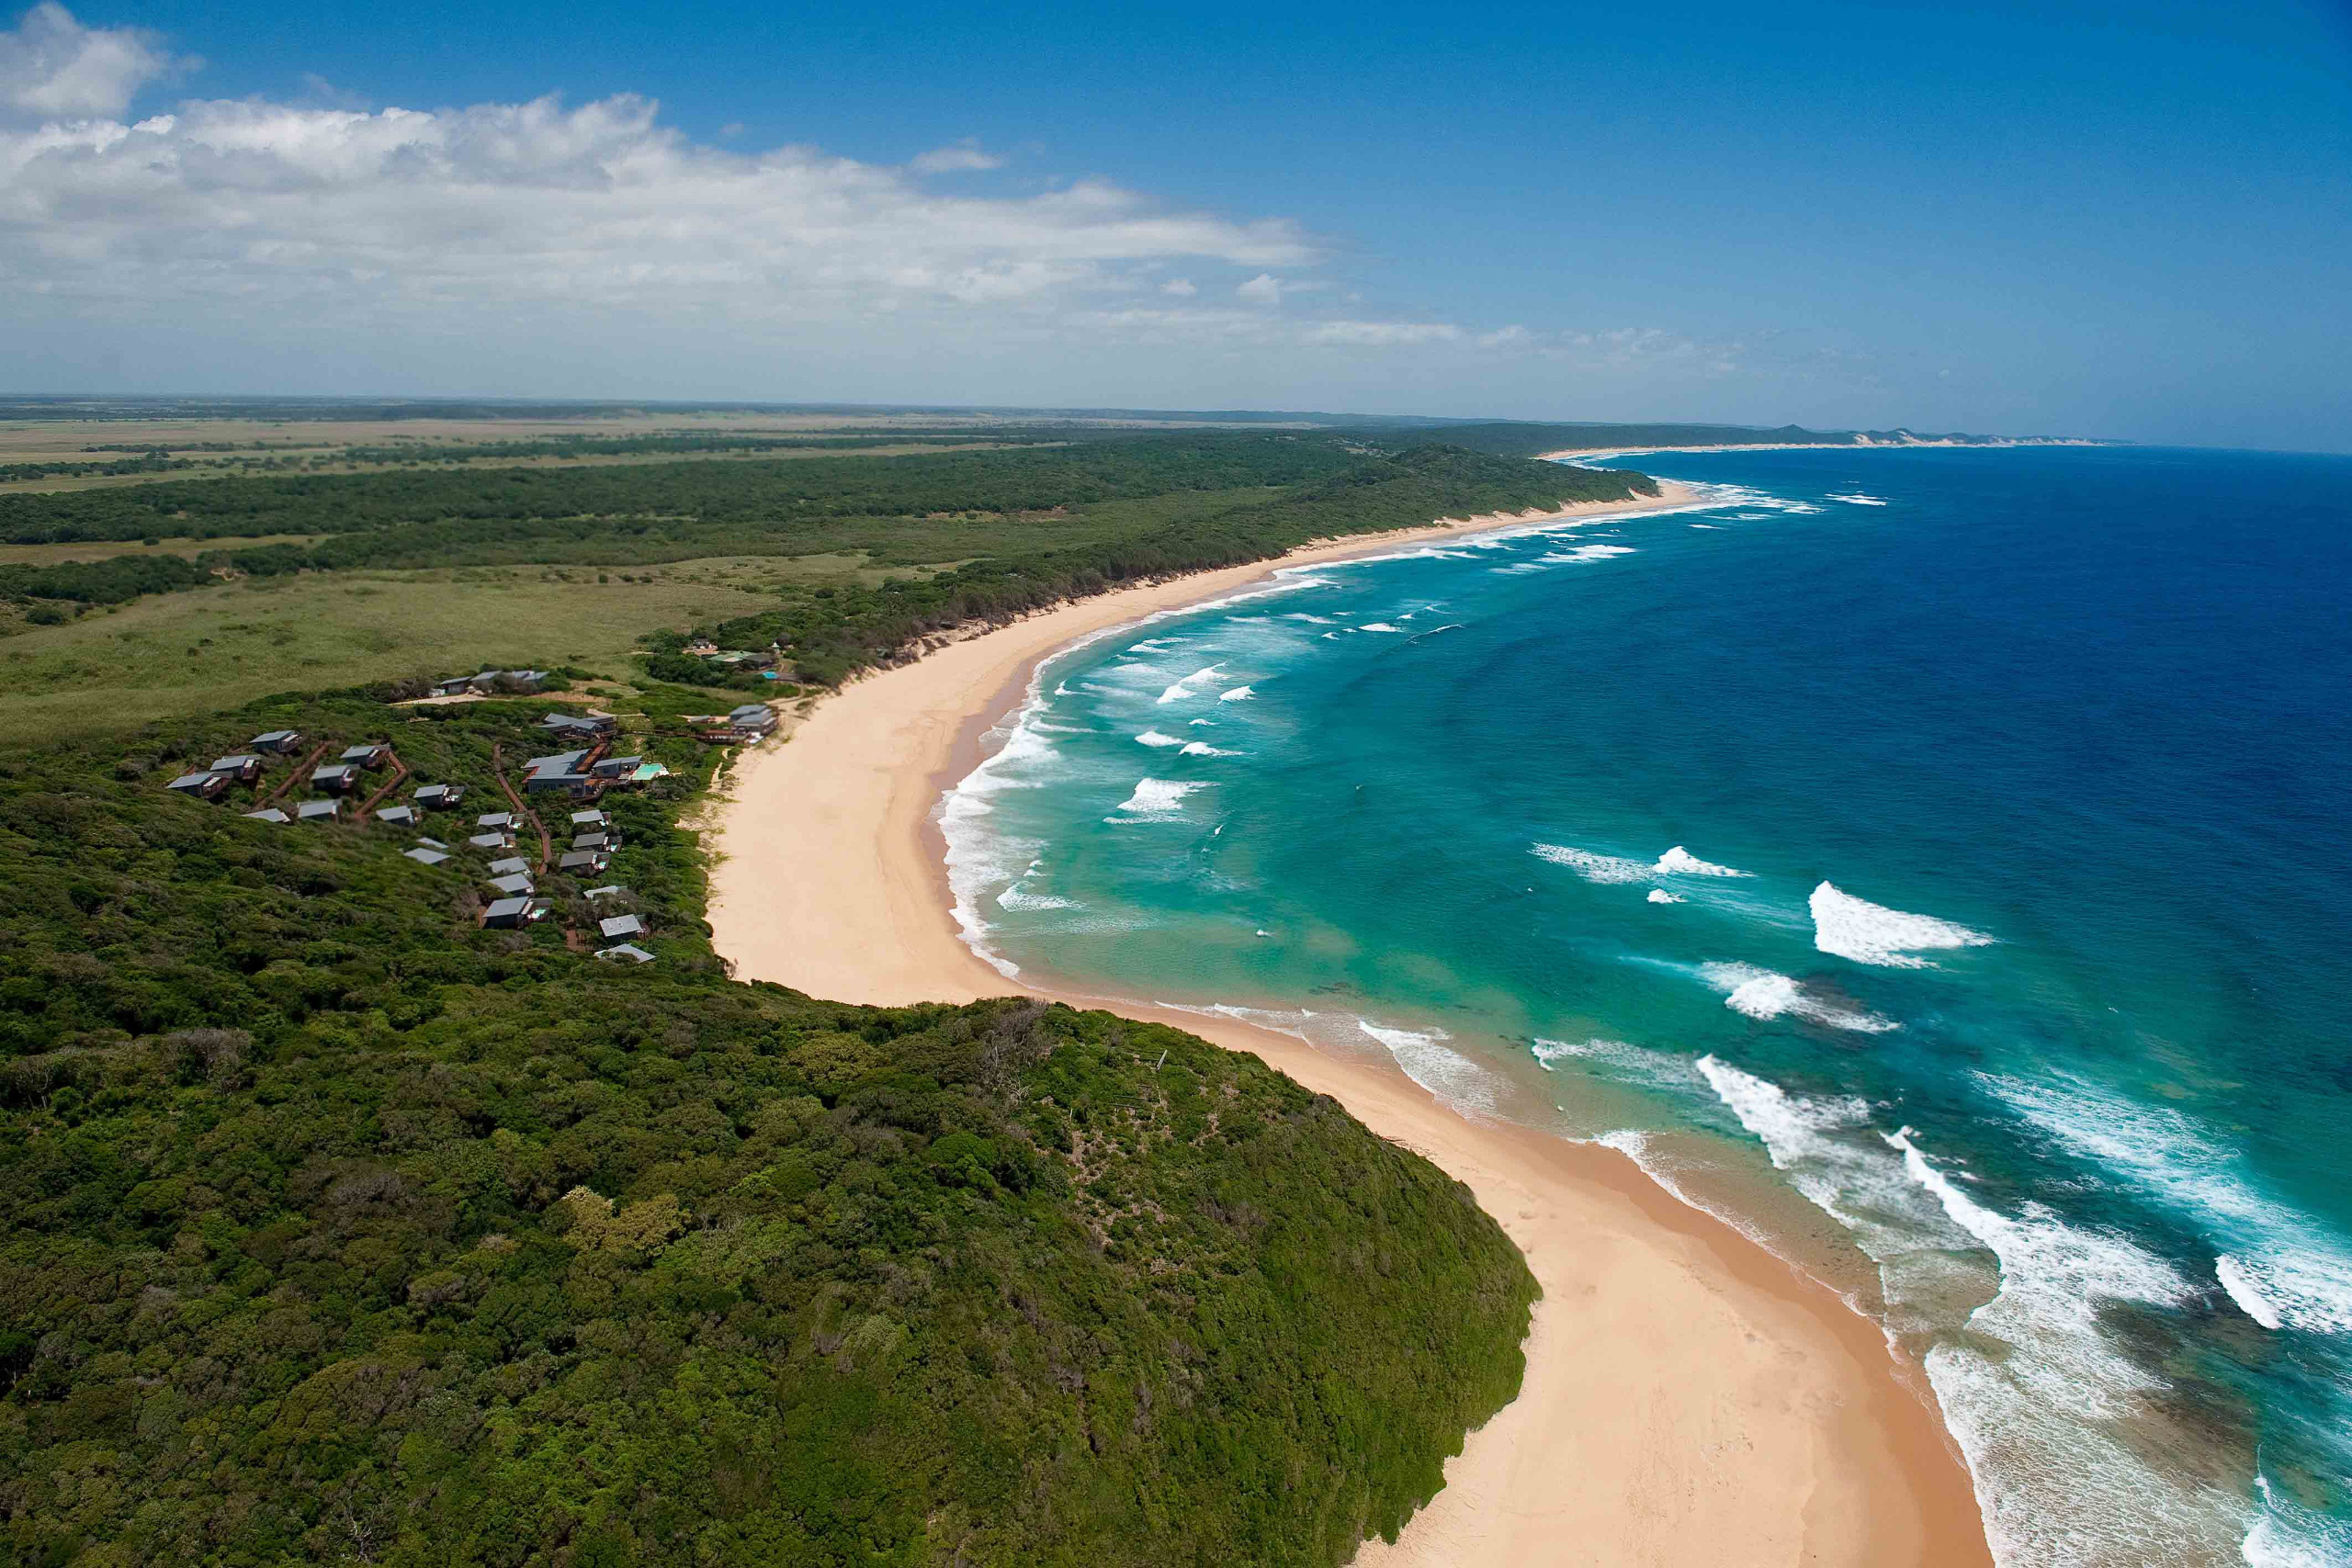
(1382, 335)
(52, 67)
(273, 229)
(599, 205)
(964, 157)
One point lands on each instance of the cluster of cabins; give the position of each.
(337, 779)
(581, 773)
(490, 682)
(241, 767)
(514, 900)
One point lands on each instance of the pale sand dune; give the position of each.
(1688, 1399)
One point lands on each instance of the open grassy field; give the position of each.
(213, 647)
(223, 447)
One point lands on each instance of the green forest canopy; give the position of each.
(336, 1228)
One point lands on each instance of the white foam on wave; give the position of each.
(2037, 1417)
(2057, 1483)
(1210, 722)
(2240, 1288)
(1014, 898)
(979, 859)
(2283, 1266)
(1583, 553)
(1311, 620)
(1437, 1068)
(1239, 694)
(1153, 738)
(1379, 626)
(1854, 928)
(1660, 896)
(1764, 502)
(1651, 1069)
(1857, 498)
(1155, 800)
(1599, 868)
(1799, 1136)
(1709, 527)
(1762, 994)
(1291, 1023)
(1679, 861)
(2288, 1534)
(1203, 749)
(1180, 691)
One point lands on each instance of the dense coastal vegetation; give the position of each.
(338, 1229)
(886, 549)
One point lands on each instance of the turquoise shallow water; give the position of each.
(1935, 861)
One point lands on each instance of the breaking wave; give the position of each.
(1765, 994)
(1679, 861)
(1854, 928)
(1591, 866)
(1180, 690)
(2283, 1269)
(1436, 1066)
(1155, 800)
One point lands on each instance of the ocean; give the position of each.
(1935, 861)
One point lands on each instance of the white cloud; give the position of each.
(554, 250)
(964, 157)
(286, 208)
(1382, 335)
(52, 67)
(1256, 328)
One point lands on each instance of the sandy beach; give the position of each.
(1689, 1399)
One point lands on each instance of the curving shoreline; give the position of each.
(1687, 1398)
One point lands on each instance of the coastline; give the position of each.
(1571, 454)
(1687, 1397)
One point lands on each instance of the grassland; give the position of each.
(172, 597)
(207, 648)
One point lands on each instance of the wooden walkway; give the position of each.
(547, 847)
(400, 771)
(302, 770)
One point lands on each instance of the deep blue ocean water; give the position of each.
(1938, 862)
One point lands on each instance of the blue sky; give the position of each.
(2133, 222)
